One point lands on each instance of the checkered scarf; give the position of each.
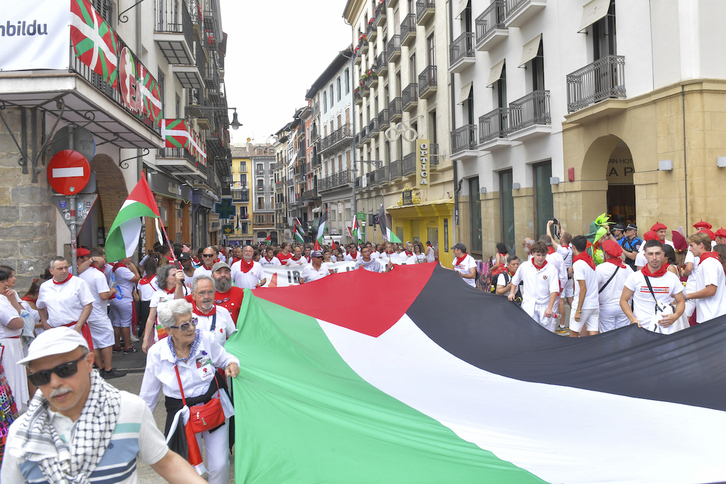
(61, 463)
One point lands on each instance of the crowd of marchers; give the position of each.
(659, 284)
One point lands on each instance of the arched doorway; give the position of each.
(621, 190)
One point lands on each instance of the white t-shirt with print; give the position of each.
(664, 289)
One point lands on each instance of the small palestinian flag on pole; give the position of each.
(387, 234)
(94, 42)
(123, 238)
(321, 228)
(355, 229)
(299, 235)
(268, 240)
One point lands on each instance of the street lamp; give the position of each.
(235, 124)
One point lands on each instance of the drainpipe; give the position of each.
(457, 183)
(685, 155)
(352, 110)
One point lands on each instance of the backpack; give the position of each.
(507, 278)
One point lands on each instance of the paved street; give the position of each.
(132, 383)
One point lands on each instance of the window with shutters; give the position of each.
(105, 9)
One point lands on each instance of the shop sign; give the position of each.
(163, 185)
(422, 163)
(407, 197)
(361, 216)
(620, 171)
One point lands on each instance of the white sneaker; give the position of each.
(134, 338)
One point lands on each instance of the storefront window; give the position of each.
(475, 214)
(507, 210)
(543, 203)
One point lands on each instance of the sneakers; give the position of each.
(561, 329)
(134, 338)
(117, 349)
(130, 350)
(112, 373)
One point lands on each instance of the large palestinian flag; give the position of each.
(426, 380)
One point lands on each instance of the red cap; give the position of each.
(720, 232)
(703, 225)
(650, 235)
(658, 226)
(612, 248)
(82, 252)
(710, 234)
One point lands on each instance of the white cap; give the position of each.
(54, 341)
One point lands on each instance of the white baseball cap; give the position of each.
(54, 341)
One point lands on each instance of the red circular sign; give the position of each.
(68, 172)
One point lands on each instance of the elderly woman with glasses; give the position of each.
(196, 356)
(167, 279)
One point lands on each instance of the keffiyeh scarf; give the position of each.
(61, 463)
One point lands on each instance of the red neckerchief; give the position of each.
(616, 261)
(409, 254)
(99, 270)
(550, 250)
(459, 260)
(268, 260)
(354, 255)
(170, 291)
(660, 272)
(308, 258)
(117, 265)
(67, 279)
(539, 268)
(708, 255)
(195, 260)
(246, 266)
(28, 298)
(429, 245)
(198, 312)
(147, 280)
(565, 246)
(511, 274)
(215, 261)
(293, 258)
(586, 257)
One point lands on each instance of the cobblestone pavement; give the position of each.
(132, 384)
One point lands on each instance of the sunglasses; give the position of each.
(207, 255)
(185, 327)
(65, 370)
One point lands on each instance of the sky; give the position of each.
(276, 49)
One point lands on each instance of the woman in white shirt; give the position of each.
(184, 367)
(418, 253)
(11, 328)
(166, 280)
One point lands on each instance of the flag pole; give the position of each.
(168, 242)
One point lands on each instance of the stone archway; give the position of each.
(112, 190)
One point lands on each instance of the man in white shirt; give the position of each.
(210, 317)
(430, 252)
(99, 322)
(65, 300)
(503, 283)
(316, 270)
(125, 276)
(710, 290)
(661, 230)
(352, 254)
(464, 264)
(247, 273)
(540, 288)
(370, 264)
(557, 260)
(611, 277)
(584, 318)
(651, 303)
(208, 257)
(269, 258)
(297, 259)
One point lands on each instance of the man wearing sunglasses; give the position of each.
(76, 417)
(208, 256)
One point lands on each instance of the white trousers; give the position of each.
(537, 312)
(121, 312)
(16, 374)
(216, 446)
(612, 317)
(101, 333)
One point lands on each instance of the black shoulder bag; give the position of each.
(617, 268)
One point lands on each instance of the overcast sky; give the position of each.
(276, 49)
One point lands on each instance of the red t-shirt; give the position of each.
(284, 258)
(231, 301)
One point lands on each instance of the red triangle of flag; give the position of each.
(142, 194)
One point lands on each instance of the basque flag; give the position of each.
(426, 380)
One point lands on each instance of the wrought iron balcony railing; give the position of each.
(603, 79)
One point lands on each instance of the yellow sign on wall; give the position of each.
(422, 163)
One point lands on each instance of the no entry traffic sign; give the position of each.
(68, 172)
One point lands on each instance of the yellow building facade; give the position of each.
(241, 176)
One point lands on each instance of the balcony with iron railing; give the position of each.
(381, 67)
(290, 182)
(409, 97)
(309, 196)
(529, 116)
(490, 28)
(408, 29)
(494, 128)
(425, 10)
(393, 49)
(373, 127)
(461, 52)
(341, 136)
(383, 121)
(379, 20)
(601, 80)
(427, 82)
(362, 135)
(372, 31)
(395, 170)
(463, 139)
(395, 110)
(181, 154)
(334, 181)
(433, 155)
(241, 195)
(409, 164)
(358, 95)
(173, 34)
(195, 12)
(521, 11)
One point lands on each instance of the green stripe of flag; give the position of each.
(304, 416)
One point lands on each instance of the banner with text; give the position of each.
(35, 35)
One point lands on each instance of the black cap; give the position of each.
(619, 227)
(185, 256)
(631, 227)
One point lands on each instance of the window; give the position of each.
(162, 88)
(475, 214)
(543, 202)
(260, 169)
(325, 102)
(431, 49)
(242, 166)
(604, 35)
(260, 184)
(347, 81)
(506, 200)
(339, 90)
(331, 96)
(501, 99)
(243, 179)
(412, 66)
(538, 81)
(432, 134)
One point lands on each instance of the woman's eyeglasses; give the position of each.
(185, 326)
(65, 370)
